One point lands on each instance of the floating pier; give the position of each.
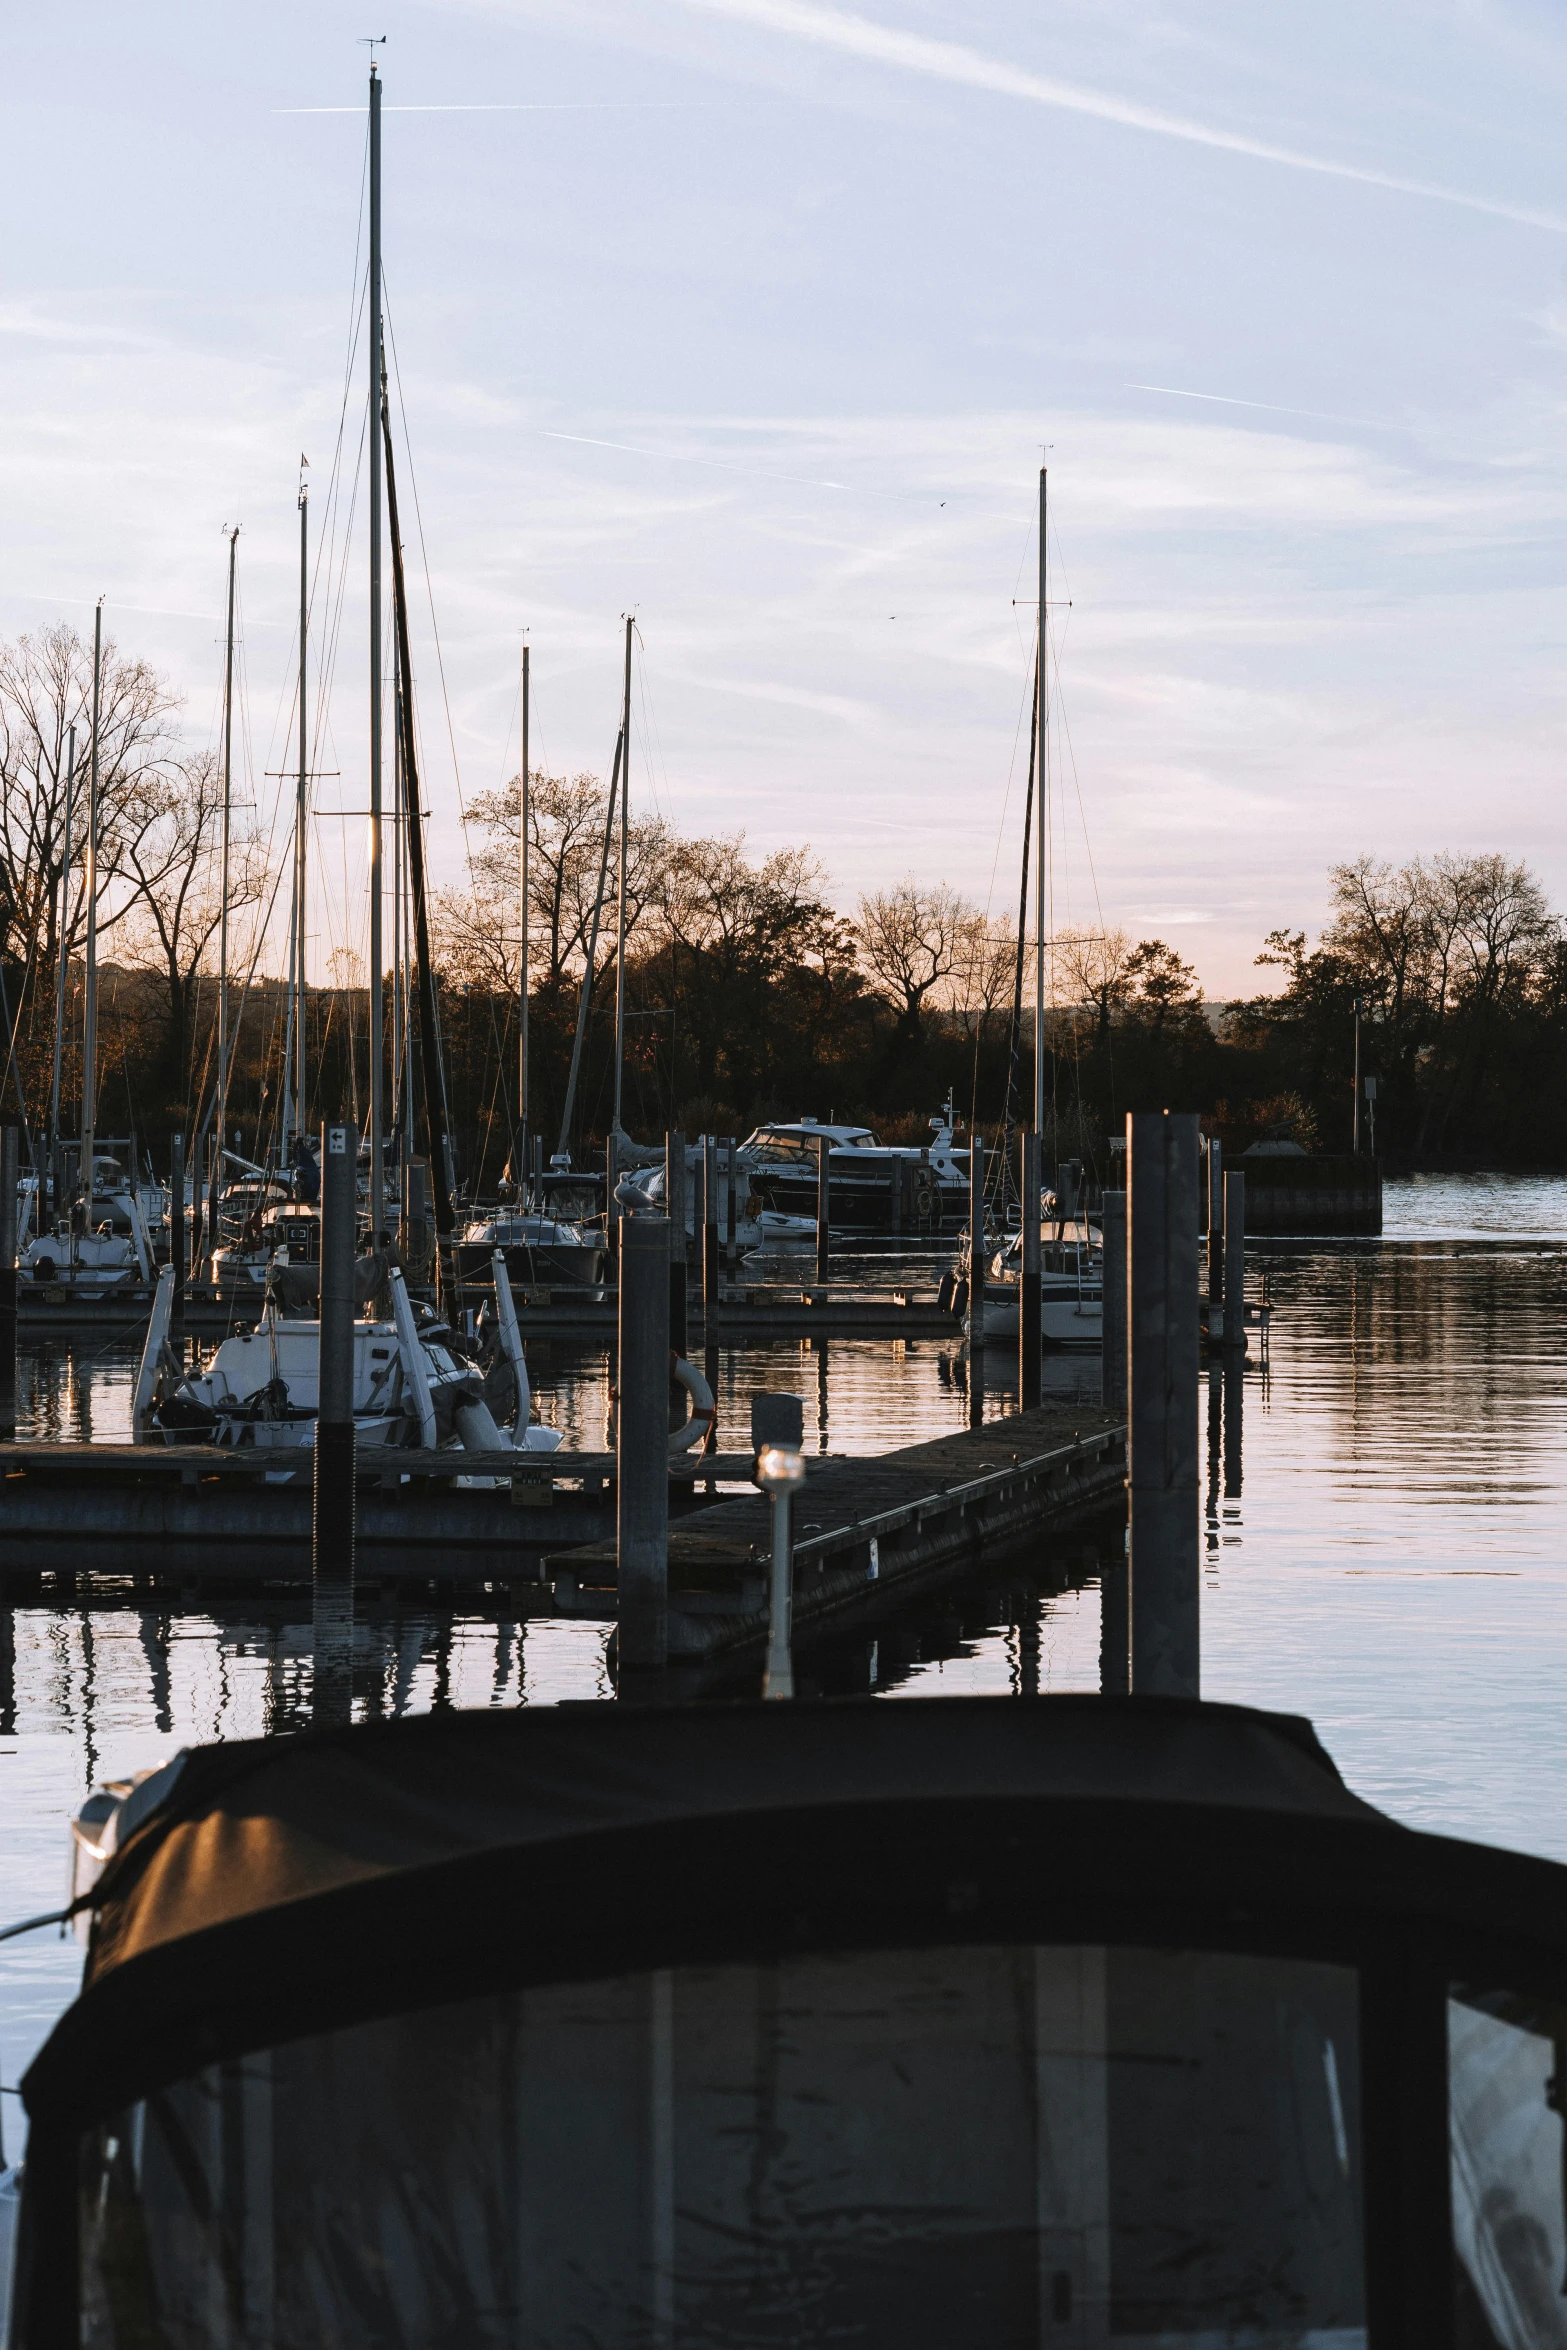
(866, 1532)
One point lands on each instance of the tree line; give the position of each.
(749, 993)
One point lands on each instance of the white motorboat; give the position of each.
(758, 1228)
(876, 1187)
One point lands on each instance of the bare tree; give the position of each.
(910, 939)
(173, 872)
(45, 688)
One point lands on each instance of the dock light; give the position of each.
(778, 1436)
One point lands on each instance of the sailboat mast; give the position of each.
(228, 801)
(301, 821)
(62, 953)
(620, 923)
(377, 371)
(90, 999)
(1042, 828)
(520, 1170)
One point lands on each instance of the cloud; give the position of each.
(955, 62)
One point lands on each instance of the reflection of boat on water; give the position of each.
(540, 1251)
(758, 1228)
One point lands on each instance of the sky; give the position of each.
(754, 319)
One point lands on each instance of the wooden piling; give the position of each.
(731, 1248)
(10, 1169)
(1162, 1471)
(823, 1210)
(1215, 1156)
(976, 1279)
(1029, 1314)
(675, 1211)
(710, 1240)
(1112, 1340)
(1234, 1238)
(642, 1444)
(332, 1564)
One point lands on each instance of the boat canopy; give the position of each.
(900, 2023)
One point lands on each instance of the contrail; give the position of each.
(953, 61)
(544, 106)
(1265, 407)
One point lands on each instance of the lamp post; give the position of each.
(778, 1434)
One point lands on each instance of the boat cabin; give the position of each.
(1065, 2021)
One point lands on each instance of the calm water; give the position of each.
(1395, 1564)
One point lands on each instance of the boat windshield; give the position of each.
(900, 2149)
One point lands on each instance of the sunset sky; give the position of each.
(753, 316)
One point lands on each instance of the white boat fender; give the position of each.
(704, 1411)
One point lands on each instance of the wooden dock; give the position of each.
(191, 1518)
(866, 1532)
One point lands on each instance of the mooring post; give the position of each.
(778, 1440)
(332, 1566)
(976, 1280)
(1030, 1335)
(642, 1444)
(1162, 1463)
(675, 1213)
(177, 1225)
(823, 1210)
(10, 1169)
(731, 1254)
(1215, 1155)
(612, 1207)
(1234, 1237)
(710, 1239)
(1112, 1339)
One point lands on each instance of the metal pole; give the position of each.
(1112, 1342)
(642, 1444)
(710, 1239)
(1215, 1221)
(1029, 1311)
(376, 1009)
(332, 1566)
(778, 1441)
(301, 822)
(1162, 1447)
(62, 959)
(1042, 828)
(620, 924)
(10, 1168)
(223, 885)
(90, 991)
(976, 1279)
(522, 968)
(675, 1210)
(177, 1218)
(823, 1210)
(1235, 1262)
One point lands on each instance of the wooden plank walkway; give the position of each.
(867, 1531)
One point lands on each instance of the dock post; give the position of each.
(642, 1444)
(1215, 1221)
(731, 1254)
(823, 1210)
(1030, 1335)
(177, 1225)
(675, 1211)
(778, 1440)
(612, 1207)
(710, 1239)
(332, 1564)
(1112, 1339)
(10, 1169)
(1162, 1463)
(1234, 1237)
(976, 1279)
